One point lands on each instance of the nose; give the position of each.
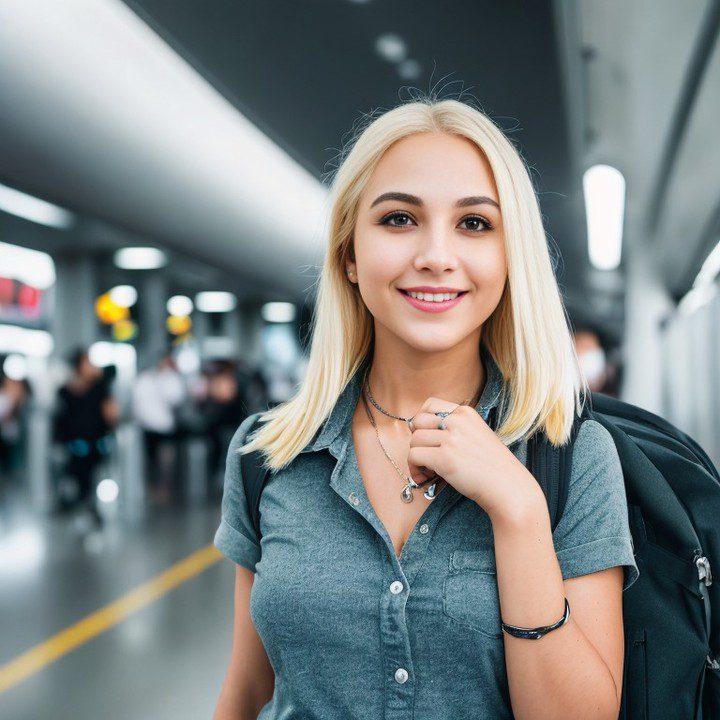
(435, 251)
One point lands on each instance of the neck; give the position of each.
(401, 382)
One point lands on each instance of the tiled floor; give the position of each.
(167, 660)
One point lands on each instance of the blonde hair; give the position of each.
(528, 334)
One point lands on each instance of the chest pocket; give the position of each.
(470, 593)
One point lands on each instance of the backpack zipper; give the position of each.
(703, 566)
(705, 575)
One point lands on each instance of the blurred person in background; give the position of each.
(85, 415)
(601, 373)
(253, 387)
(157, 394)
(14, 395)
(223, 408)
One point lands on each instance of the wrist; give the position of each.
(524, 503)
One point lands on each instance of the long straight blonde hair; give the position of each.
(528, 334)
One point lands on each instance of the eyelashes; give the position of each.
(485, 224)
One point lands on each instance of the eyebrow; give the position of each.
(415, 200)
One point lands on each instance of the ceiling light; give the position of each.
(695, 298)
(604, 189)
(215, 301)
(278, 312)
(124, 295)
(32, 343)
(140, 258)
(710, 268)
(31, 208)
(704, 288)
(31, 267)
(391, 47)
(179, 305)
(107, 490)
(409, 69)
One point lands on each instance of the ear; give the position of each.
(351, 265)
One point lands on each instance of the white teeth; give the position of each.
(441, 297)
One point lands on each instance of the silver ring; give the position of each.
(442, 414)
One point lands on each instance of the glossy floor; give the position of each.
(167, 659)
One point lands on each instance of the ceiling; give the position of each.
(304, 72)
(147, 145)
(301, 72)
(646, 99)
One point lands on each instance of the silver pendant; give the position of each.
(429, 494)
(407, 494)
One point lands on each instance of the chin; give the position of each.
(430, 341)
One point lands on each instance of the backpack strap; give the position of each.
(552, 467)
(254, 475)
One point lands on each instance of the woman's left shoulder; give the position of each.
(594, 532)
(594, 448)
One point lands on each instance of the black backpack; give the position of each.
(672, 638)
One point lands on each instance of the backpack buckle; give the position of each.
(703, 566)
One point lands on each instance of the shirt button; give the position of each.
(401, 675)
(396, 587)
(354, 499)
(424, 528)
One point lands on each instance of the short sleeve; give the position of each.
(236, 537)
(594, 532)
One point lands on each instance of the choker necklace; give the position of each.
(407, 492)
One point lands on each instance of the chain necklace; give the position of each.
(407, 492)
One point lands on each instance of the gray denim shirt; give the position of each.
(350, 630)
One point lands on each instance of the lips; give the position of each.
(431, 306)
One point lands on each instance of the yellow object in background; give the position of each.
(178, 324)
(124, 330)
(109, 312)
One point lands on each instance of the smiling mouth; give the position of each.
(457, 295)
(433, 306)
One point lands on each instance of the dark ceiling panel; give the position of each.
(305, 71)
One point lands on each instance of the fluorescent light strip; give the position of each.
(34, 209)
(278, 312)
(215, 301)
(140, 258)
(604, 189)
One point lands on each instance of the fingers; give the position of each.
(426, 419)
(427, 437)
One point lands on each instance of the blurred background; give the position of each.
(163, 198)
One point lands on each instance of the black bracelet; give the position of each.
(536, 633)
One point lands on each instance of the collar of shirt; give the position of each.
(347, 401)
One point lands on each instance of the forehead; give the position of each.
(425, 163)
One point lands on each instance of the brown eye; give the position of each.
(484, 224)
(394, 216)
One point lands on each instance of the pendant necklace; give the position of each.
(407, 492)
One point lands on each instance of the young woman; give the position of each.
(399, 526)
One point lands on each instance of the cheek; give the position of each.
(489, 270)
(380, 261)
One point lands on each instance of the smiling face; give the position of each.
(419, 236)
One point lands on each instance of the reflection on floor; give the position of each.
(167, 660)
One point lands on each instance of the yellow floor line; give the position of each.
(36, 658)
